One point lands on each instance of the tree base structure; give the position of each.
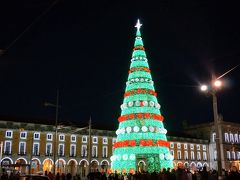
(141, 162)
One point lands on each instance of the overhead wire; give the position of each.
(30, 25)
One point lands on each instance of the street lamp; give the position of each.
(212, 89)
(1, 150)
(56, 129)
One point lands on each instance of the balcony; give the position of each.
(60, 154)
(7, 152)
(36, 154)
(22, 153)
(72, 155)
(48, 154)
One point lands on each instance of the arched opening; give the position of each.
(180, 164)
(83, 168)
(60, 166)
(47, 166)
(72, 167)
(94, 166)
(186, 165)
(199, 166)
(104, 166)
(193, 166)
(141, 166)
(35, 166)
(174, 165)
(206, 165)
(6, 164)
(21, 166)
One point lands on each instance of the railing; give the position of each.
(22, 153)
(7, 152)
(36, 154)
(61, 154)
(48, 154)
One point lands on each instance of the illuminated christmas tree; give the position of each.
(141, 136)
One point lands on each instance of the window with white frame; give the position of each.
(94, 140)
(61, 137)
(178, 145)
(7, 147)
(114, 140)
(61, 149)
(233, 155)
(226, 137)
(49, 137)
(191, 146)
(238, 155)
(84, 139)
(171, 145)
(213, 137)
(9, 134)
(23, 135)
(198, 156)
(236, 138)
(35, 149)
(36, 136)
(204, 147)
(231, 138)
(105, 140)
(215, 155)
(22, 148)
(179, 155)
(204, 156)
(94, 151)
(172, 152)
(185, 146)
(84, 151)
(228, 155)
(48, 149)
(198, 147)
(73, 138)
(72, 150)
(192, 155)
(105, 152)
(186, 155)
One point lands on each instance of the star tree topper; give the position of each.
(138, 25)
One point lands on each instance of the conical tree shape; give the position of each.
(141, 137)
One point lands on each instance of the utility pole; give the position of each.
(90, 144)
(1, 150)
(56, 129)
(212, 89)
(31, 155)
(218, 136)
(56, 133)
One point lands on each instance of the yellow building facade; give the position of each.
(33, 148)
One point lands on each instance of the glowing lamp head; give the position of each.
(217, 83)
(204, 88)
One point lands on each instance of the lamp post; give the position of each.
(56, 129)
(1, 150)
(90, 145)
(212, 89)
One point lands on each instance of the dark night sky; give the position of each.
(84, 49)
